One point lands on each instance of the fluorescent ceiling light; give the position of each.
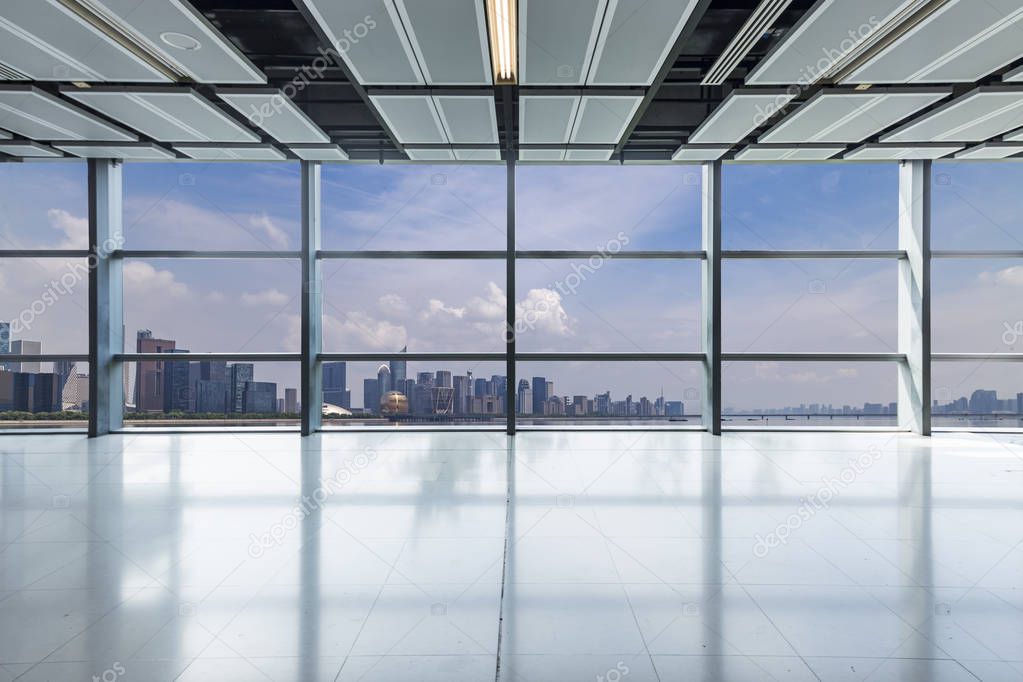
(961, 41)
(502, 24)
(849, 117)
(165, 114)
(25, 148)
(978, 115)
(636, 39)
(781, 152)
(603, 118)
(449, 39)
(139, 151)
(991, 151)
(213, 152)
(46, 40)
(828, 36)
(546, 120)
(741, 112)
(762, 18)
(319, 152)
(557, 39)
(36, 114)
(275, 113)
(700, 152)
(894, 152)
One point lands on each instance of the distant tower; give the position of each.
(383, 379)
(398, 371)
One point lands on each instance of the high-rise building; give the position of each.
(480, 388)
(460, 398)
(177, 378)
(579, 406)
(64, 369)
(399, 369)
(30, 392)
(5, 338)
(525, 398)
(211, 397)
(260, 397)
(383, 379)
(443, 379)
(539, 394)
(75, 395)
(240, 374)
(20, 347)
(149, 379)
(371, 395)
(335, 385)
(983, 402)
(290, 400)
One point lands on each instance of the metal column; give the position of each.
(106, 317)
(915, 296)
(711, 281)
(312, 300)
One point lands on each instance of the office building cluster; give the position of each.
(24, 387)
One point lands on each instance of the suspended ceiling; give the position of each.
(597, 80)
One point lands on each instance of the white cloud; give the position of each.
(75, 229)
(437, 308)
(142, 279)
(542, 312)
(1011, 276)
(393, 304)
(362, 332)
(490, 308)
(268, 297)
(274, 234)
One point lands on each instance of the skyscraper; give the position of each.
(335, 385)
(399, 369)
(149, 373)
(443, 379)
(291, 400)
(383, 379)
(176, 385)
(371, 395)
(5, 342)
(21, 347)
(462, 394)
(539, 394)
(260, 397)
(64, 369)
(525, 396)
(240, 374)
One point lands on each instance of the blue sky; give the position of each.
(622, 305)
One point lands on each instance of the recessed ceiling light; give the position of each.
(863, 86)
(180, 41)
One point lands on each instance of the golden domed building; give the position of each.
(392, 403)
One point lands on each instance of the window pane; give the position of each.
(636, 393)
(413, 207)
(212, 206)
(977, 394)
(810, 206)
(226, 306)
(45, 305)
(603, 304)
(44, 395)
(600, 207)
(211, 393)
(414, 393)
(435, 305)
(975, 306)
(976, 206)
(794, 394)
(44, 205)
(809, 305)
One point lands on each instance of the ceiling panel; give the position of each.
(430, 154)
(604, 118)
(978, 115)
(4, 135)
(478, 154)
(139, 151)
(48, 42)
(782, 152)
(588, 154)
(183, 37)
(164, 114)
(557, 39)
(991, 150)
(963, 41)
(369, 36)
(828, 32)
(33, 113)
(412, 118)
(468, 120)
(635, 40)
(1014, 137)
(1016, 75)
(275, 113)
(700, 152)
(25, 148)
(319, 152)
(449, 37)
(542, 154)
(849, 116)
(254, 152)
(546, 120)
(893, 152)
(739, 114)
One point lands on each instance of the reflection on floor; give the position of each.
(607, 556)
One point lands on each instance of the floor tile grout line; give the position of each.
(509, 472)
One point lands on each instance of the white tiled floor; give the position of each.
(606, 556)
